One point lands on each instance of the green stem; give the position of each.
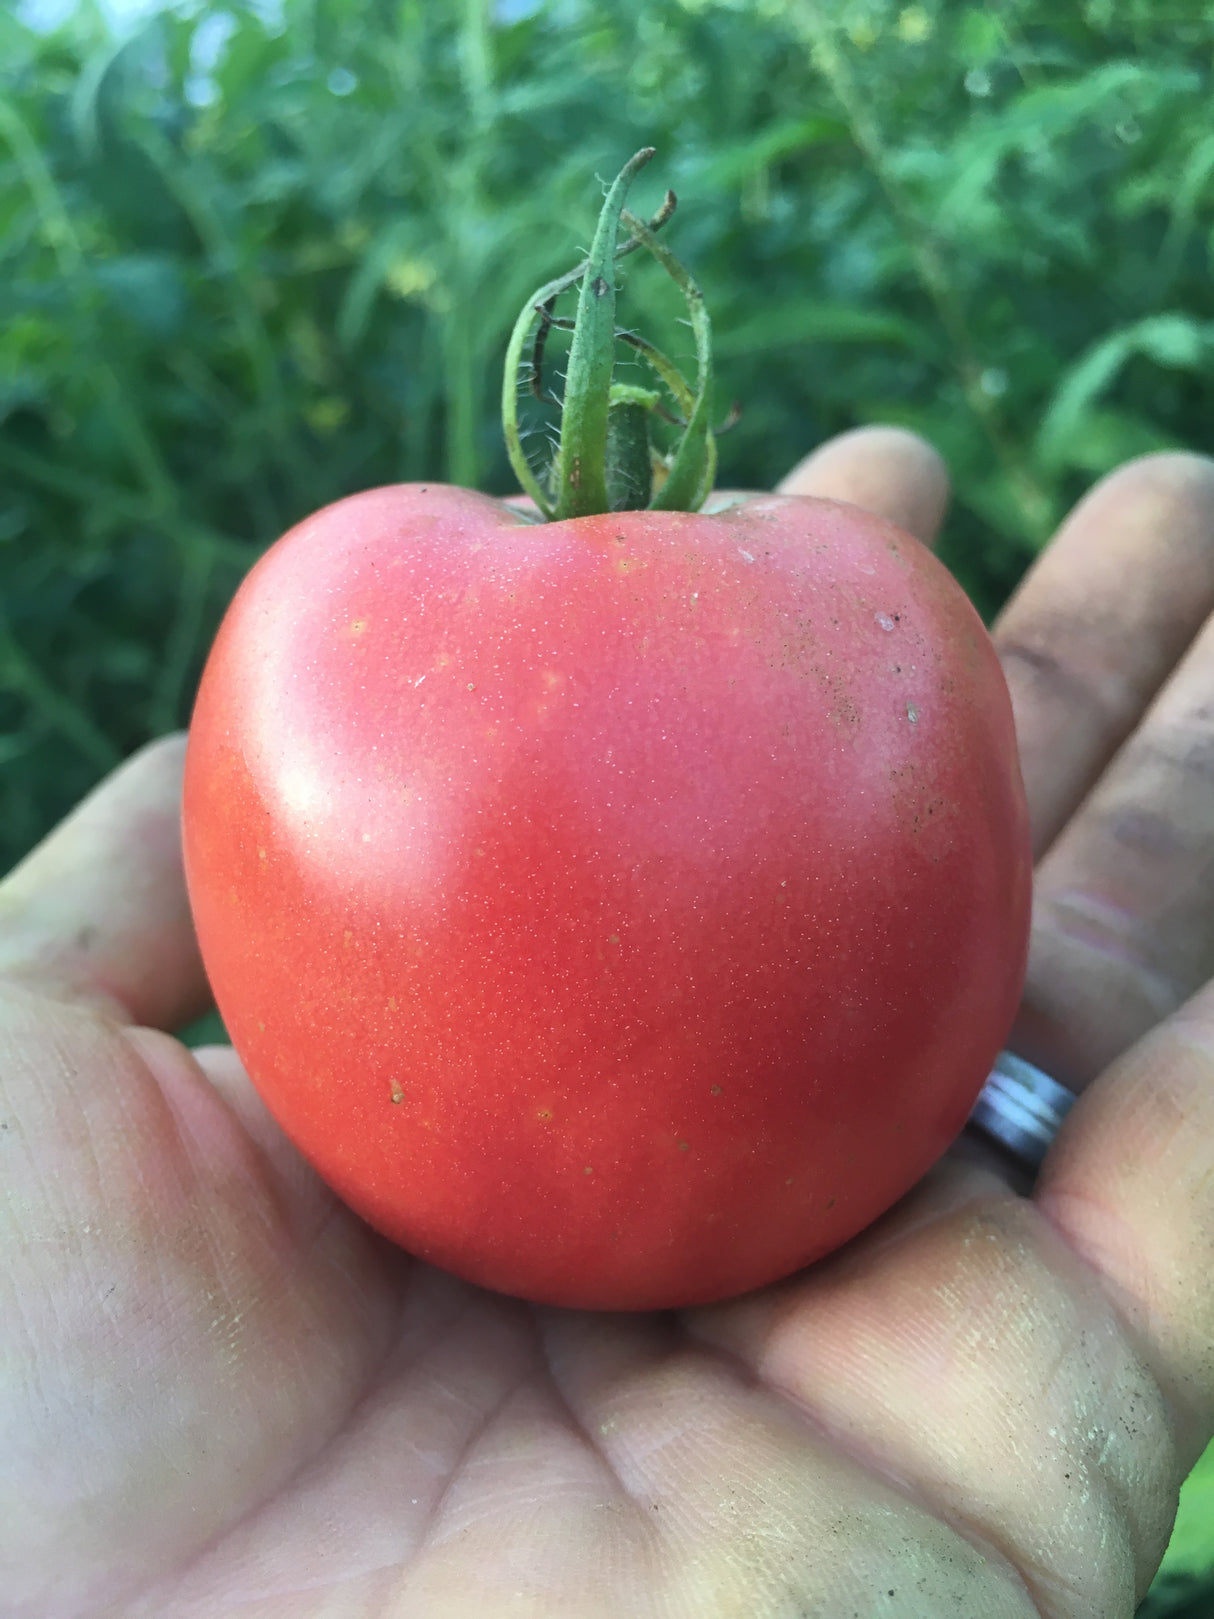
(546, 294)
(587, 475)
(932, 267)
(581, 478)
(166, 707)
(629, 457)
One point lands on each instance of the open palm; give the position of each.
(222, 1395)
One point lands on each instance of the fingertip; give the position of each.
(1176, 471)
(1136, 509)
(889, 471)
(1101, 620)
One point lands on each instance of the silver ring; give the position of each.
(1021, 1108)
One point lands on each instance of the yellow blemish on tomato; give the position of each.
(397, 1094)
(347, 939)
(588, 1170)
(262, 856)
(683, 1146)
(544, 1115)
(714, 1090)
(357, 626)
(392, 1003)
(261, 1028)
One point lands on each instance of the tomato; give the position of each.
(619, 912)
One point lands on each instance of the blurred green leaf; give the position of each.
(1170, 340)
(821, 323)
(1184, 1588)
(145, 289)
(1189, 1549)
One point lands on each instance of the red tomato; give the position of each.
(619, 912)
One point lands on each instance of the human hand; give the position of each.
(223, 1395)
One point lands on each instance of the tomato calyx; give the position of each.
(605, 459)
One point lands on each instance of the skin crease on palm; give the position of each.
(221, 1395)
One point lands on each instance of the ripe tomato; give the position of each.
(622, 911)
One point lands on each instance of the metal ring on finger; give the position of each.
(1021, 1108)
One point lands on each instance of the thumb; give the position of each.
(98, 912)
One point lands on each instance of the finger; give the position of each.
(98, 912)
(960, 1347)
(1123, 912)
(1100, 621)
(1130, 1184)
(886, 470)
(701, 1434)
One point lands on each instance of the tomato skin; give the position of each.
(620, 913)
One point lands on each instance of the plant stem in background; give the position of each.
(1038, 511)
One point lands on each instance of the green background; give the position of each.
(257, 255)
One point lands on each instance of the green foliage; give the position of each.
(1184, 1588)
(262, 253)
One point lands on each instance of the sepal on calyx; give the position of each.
(605, 460)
